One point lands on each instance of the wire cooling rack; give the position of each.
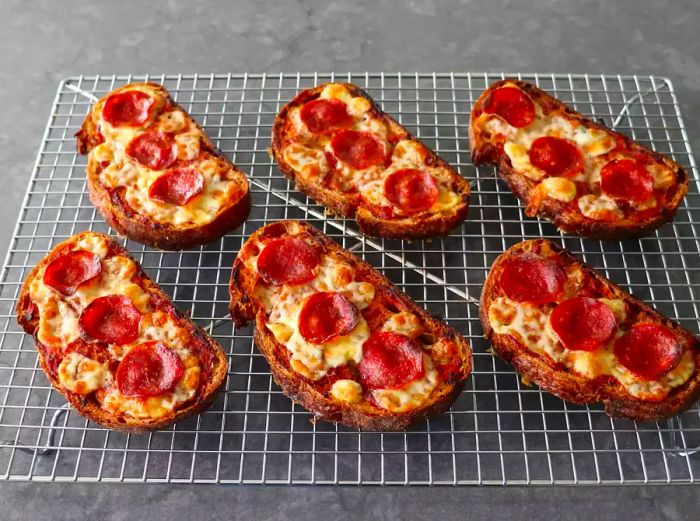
(499, 431)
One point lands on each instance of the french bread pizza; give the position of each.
(111, 341)
(344, 152)
(587, 179)
(339, 337)
(153, 173)
(580, 337)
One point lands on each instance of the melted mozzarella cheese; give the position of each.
(662, 176)
(404, 323)
(559, 188)
(201, 209)
(598, 207)
(154, 407)
(530, 325)
(411, 395)
(81, 374)
(309, 162)
(348, 391)
(285, 304)
(357, 106)
(520, 160)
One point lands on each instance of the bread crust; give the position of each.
(140, 227)
(563, 217)
(87, 405)
(245, 307)
(571, 387)
(348, 204)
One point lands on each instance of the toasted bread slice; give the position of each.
(93, 374)
(334, 377)
(587, 179)
(608, 370)
(156, 177)
(342, 178)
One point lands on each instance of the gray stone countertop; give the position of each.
(42, 42)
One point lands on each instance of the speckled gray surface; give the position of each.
(44, 41)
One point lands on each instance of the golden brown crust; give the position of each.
(139, 227)
(563, 217)
(244, 308)
(552, 378)
(348, 204)
(87, 405)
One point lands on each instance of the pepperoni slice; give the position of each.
(322, 115)
(389, 361)
(649, 350)
(288, 260)
(112, 319)
(131, 108)
(149, 369)
(530, 278)
(513, 105)
(156, 150)
(359, 150)
(69, 271)
(626, 179)
(582, 323)
(411, 190)
(177, 186)
(327, 315)
(556, 156)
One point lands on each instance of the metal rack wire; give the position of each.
(499, 430)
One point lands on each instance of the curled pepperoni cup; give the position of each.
(149, 369)
(112, 319)
(69, 271)
(327, 315)
(131, 108)
(288, 260)
(626, 179)
(530, 278)
(582, 323)
(322, 115)
(156, 150)
(411, 190)
(359, 150)
(513, 105)
(649, 350)
(556, 156)
(177, 186)
(390, 361)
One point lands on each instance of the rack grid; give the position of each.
(499, 431)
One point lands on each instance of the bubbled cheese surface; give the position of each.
(597, 147)
(529, 325)
(123, 171)
(307, 155)
(59, 327)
